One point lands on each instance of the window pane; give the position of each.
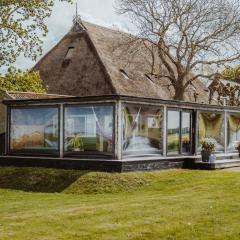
(233, 130)
(211, 126)
(173, 132)
(34, 129)
(89, 129)
(186, 132)
(142, 130)
(69, 54)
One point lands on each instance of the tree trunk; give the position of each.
(179, 93)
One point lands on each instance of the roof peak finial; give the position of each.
(77, 22)
(76, 8)
(77, 17)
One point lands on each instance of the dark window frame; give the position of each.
(180, 152)
(161, 107)
(90, 154)
(199, 111)
(227, 130)
(69, 52)
(34, 153)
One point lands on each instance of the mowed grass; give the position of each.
(47, 204)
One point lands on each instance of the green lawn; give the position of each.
(40, 204)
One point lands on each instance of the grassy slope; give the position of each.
(176, 204)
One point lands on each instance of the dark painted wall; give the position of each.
(2, 143)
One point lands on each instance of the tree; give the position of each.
(231, 73)
(22, 24)
(24, 81)
(188, 35)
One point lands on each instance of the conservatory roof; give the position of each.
(107, 99)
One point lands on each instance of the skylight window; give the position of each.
(124, 74)
(69, 54)
(149, 78)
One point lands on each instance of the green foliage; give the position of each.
(71, 181)
(76, 142)
(208, 146)
(22, 25)
(24, 81)
(231, 73)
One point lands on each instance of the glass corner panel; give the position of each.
(173, 132)
(186, 132)
(211, 126)
(34, 130)
(233, 130)
(89, 129)
(142, 130)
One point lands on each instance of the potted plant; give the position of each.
(238, 148)
(76, 143)
(208, 148)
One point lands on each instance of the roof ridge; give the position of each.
(106, 28)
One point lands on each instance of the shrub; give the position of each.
(208, 146)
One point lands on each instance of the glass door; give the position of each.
(186, 133)
(179, 132)
(173, 132)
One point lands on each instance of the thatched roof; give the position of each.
(94, 60)
(15, 95)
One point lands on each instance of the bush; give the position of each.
(208, 146)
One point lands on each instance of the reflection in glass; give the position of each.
(211, 126)
(233, 130)
(89, 129)
(186, 132)
(142, 130)
(173, 132)
(34, 129)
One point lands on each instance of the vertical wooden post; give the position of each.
(61, 131)
(164, 131)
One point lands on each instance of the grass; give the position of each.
(47, 204)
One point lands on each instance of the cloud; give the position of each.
(60, 22)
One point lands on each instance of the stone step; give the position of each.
(227, 157)
(222, 156)
(218, 164)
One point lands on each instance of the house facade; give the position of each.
(112, 112)
(116, 133)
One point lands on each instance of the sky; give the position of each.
(95, 11)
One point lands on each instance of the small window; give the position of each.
(124, 74)
(149, 78)
(69, 54)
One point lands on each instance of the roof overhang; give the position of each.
(107, 98)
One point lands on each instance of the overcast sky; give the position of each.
(95, 11)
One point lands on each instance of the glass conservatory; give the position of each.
(118, 128)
